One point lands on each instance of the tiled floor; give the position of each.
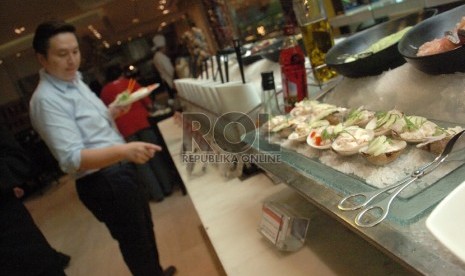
(71, 228)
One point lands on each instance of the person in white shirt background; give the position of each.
(163, 63)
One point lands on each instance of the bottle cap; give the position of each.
(268, 80)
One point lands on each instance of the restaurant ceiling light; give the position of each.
(94, 32)
(161, 7)
(19, 30)
(166, 11)
(135, 19)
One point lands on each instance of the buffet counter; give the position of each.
(230, 212)
(403, 235)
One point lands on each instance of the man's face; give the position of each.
(63, 57)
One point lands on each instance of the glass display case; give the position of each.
(324, 178)
(364, 14)
(256, 20)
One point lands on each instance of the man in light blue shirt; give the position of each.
(80, 132)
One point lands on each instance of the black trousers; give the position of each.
(23, 248)
(116, 199)
(155, 174)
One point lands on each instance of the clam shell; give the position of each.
(420, 135)
(392, 153)
(298, 137)
(319, 130)
(376, 131)
(388, 124)
(298, 120)
(285, 131)
(364, 116)
(334, 118)
(281, 127)
(345, 143)
(301, 111)
(436, 144)
(276, 122)
(279, 124)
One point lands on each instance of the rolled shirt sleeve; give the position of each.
(60, 133)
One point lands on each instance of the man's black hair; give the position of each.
(46, 30)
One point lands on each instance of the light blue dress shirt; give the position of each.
(70, 117)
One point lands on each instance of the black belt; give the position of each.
(105, 170)
(113, 167)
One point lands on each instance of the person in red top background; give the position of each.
(135, 126)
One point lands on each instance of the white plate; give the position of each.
(136, 95)
(447, 221)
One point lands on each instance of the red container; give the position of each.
(293, 74)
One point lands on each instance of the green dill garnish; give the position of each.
(439, 131)
(380, 114)
(325, 134)
(354, 116)
(409, 124)
(350, 134)
(414, 122)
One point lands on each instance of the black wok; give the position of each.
(443, 63)
(374, 64)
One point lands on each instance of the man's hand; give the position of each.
(141, 152)
(117, 111)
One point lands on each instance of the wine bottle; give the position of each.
(293, 74)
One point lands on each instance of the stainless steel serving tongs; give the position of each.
(363, 219)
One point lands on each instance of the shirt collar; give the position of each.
(61, 85)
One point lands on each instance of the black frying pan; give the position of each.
(383, 60)
(443, 63)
